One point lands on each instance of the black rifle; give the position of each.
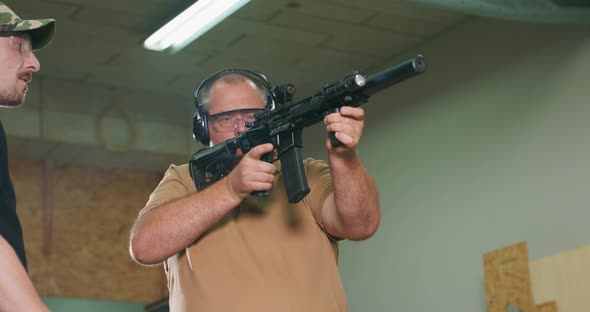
(283, 126)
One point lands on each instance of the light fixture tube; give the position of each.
(191, 23)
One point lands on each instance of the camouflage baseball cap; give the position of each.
(41, 30)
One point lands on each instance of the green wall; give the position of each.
(490, 147)
(56, 304)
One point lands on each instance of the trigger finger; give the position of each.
(260, 150)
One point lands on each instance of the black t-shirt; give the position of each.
(10, 227)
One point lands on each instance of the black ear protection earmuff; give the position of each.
(200, 122)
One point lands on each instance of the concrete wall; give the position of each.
(93, 124)
(489, 148)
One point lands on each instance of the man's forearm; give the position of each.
(357, 211)
(166, 230)
(17, 292)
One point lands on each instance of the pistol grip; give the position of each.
(268, 158)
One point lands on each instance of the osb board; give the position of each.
(547, 307)
(93, 210)
(564, 278)
(507, 279)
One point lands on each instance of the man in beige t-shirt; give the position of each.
(224, 250)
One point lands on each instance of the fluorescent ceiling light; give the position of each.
(192, 23)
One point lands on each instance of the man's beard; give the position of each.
(12, 99)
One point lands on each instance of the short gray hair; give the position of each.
(232, 77)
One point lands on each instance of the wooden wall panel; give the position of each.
(507, 279)
(558, 282)
(93, 210)
(547, 307)
(564, 278)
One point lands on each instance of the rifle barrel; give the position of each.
(393, 75)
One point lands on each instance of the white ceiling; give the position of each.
(302, 41)
(98, 44)
(98, 47)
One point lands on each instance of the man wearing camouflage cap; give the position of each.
(18, 39)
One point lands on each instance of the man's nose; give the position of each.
(240, 126)
(32, 63)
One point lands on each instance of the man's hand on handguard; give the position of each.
(348, 126)
(251, 173)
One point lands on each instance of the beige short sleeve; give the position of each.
(176, 184)
(319, 180)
